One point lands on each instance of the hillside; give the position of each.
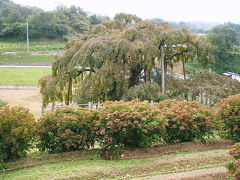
(63, 22)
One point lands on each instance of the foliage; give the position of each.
(134, 49)
(234, 165)
(59, 23)
(174, 86)
(127, 18)
(223, 38)
(120, 124)
(17, 131)
(228, 113)
(209, 88)
(188, 121)
(149, 91)
(48, 88)
(127, 125)
(67, 129)
(194, 67)
(109, 83)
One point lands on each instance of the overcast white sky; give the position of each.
(171, 10)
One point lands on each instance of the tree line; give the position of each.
(63, 22)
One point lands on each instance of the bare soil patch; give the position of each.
(30, 99)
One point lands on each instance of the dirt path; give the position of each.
(219, 173)
(30, 99)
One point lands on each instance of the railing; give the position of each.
(89, 105)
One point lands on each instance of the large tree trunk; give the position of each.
(134, 79)
(184, 71)
(69, 94)
(163, 69)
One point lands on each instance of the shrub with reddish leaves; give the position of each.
(234, 165)
(128, 124)
(67, 129)
(17, 131)
(188, 121)
(228, 114)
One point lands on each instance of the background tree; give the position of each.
(62, 23)
(121, 55)
(210, 88)
(224, 38)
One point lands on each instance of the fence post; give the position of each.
(151, 103)
(53, 107)
(43, 110)
(89, 105)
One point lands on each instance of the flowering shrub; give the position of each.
(17, 130)
(188, 121)
(127, 124)
(228, 113)
(122, 124)
(234, 165)
(67, 129)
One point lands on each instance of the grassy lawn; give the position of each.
(70, 166)
(22, 76)
(26, 59)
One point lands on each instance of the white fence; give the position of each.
(89, 105)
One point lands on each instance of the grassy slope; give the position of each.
(37, 46)
(65, 167)
(22, 76)
(26, 59)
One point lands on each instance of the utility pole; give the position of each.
(163, 70)
(27, 37)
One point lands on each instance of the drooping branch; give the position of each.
(176, 54)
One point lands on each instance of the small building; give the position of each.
(232, 75)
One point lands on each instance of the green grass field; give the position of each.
(22, 76)
(26, 59)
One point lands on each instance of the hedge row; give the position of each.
(119, 124)
(124, 124)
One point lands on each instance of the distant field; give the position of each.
(44, 46)
(22, 76)
(26, 59)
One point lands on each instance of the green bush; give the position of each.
(234, 165)
(67, 129)
(228, 113)
(127, 124)
(188, 121)
(17, 130)
(120, 124)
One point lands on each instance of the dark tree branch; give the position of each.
(177, 54)
(85, 70)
